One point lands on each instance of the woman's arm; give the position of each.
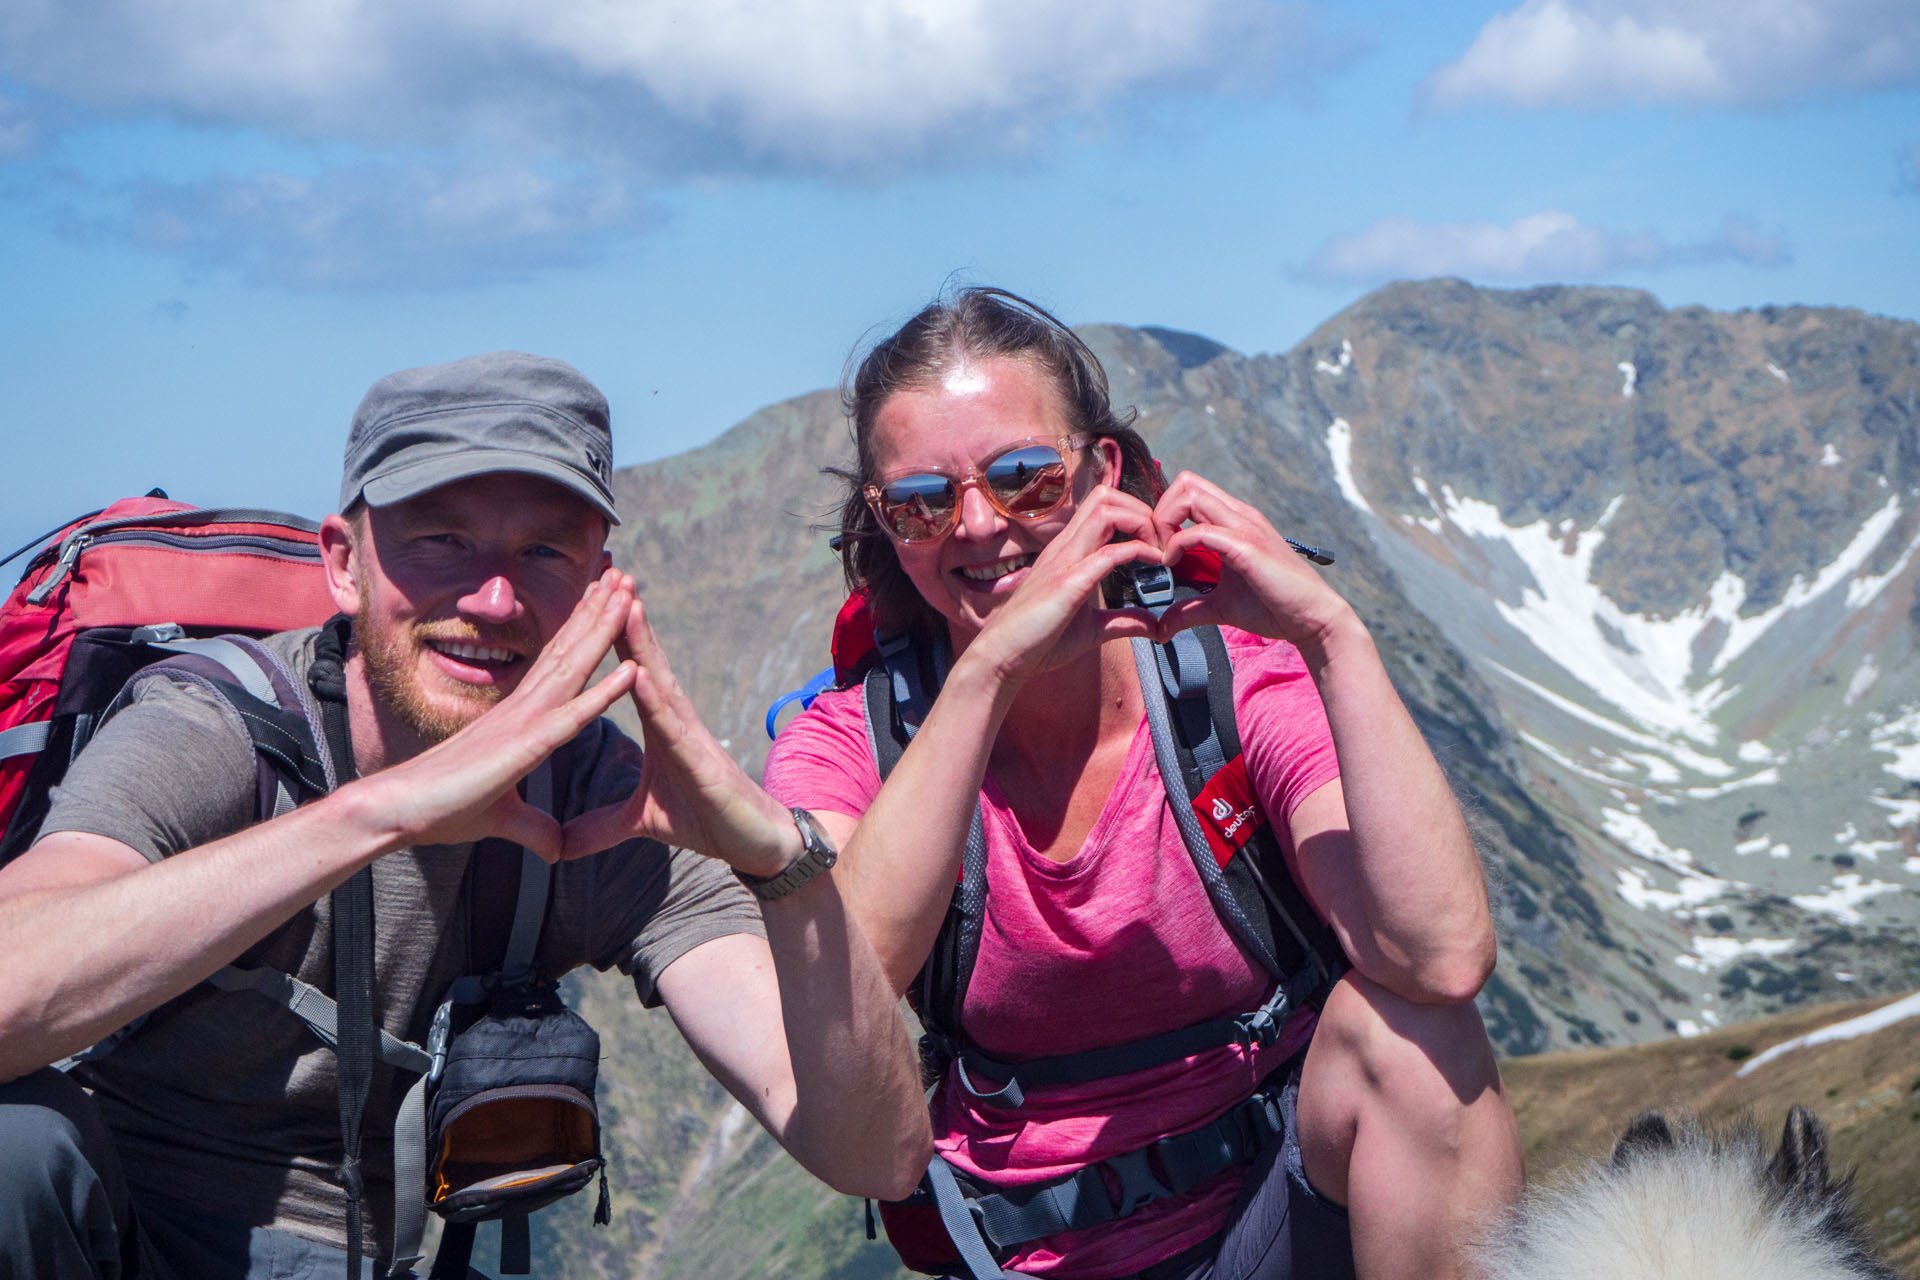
(1383, 851)
(899, 862)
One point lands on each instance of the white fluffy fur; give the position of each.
(1702, 1209)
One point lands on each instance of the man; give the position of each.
(469, 557)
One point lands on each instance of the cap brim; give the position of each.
(413, 479)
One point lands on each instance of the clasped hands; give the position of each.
(689, 793)
(1264, 588)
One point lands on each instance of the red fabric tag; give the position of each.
(1228, 811)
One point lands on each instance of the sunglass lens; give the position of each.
(917, 507)
(1029, 481)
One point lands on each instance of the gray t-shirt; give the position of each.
(226, 1101)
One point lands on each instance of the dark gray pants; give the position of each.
(66, 1212)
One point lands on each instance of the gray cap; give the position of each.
(505, 411)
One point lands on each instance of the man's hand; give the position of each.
(463, 789)
(690, 793)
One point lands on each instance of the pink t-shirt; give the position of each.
(1117, 943)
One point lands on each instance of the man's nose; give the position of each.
(493, 600)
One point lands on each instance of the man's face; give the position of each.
(460, 588)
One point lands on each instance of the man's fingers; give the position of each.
(530, 828)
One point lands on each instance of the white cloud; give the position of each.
(806, 83)
(507, 135)
(1596, 53)
(376, 227)
(1550, 246)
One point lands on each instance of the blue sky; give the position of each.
(221, 220)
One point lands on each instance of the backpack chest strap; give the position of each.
(1110, 1189)
(974, 1068)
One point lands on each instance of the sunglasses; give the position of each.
(1024, 481)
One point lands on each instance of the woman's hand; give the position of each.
(1046, 623)
(1265, 586)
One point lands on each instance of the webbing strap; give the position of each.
(25, 739)
(957, 1217)
(1259, 1027)
(353, 1049)
(1085, 1198)
(238, 661)
(410, 1176)
(313, 1007)
(516, 1245)
(1166, 754)
(536, 874)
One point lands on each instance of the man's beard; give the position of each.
(392, 674)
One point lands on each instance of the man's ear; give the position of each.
(339, 559)
(606, 563)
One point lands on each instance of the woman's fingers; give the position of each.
(595, 830)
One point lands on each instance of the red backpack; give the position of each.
(100, 600)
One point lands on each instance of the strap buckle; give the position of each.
(1139, 1184)
(1153, 584)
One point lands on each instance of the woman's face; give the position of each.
(974, 411)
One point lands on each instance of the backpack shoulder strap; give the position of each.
(899, 691)
(1234, 847)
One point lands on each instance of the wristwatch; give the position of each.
(816, 855)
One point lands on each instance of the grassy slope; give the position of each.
(1866, 1091)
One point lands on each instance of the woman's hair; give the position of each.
(972, 324)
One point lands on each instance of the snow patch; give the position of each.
(1852, 1028)
(1743, 632)
(1679, 753)
(1872, 849)
(1642, 665)
(1628, 376)
(1900, 738)
(1710, 953)
(1345, 361)
(1778, 372)
(1843, 897)
(1862, 680)
(1765, 778)
(1905, 812)
(1637, 887)
(1830, 456)
(1758, 753)
(1340, 450)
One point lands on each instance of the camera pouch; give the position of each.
(512, 1125)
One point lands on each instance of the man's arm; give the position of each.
(92, 935)
(803, 1031)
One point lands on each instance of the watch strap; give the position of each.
(817, 854)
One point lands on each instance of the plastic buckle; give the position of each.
(1139, 1184)
(158, 633)
(1154, 585)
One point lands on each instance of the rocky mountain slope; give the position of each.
(1643, 576)
(1679, 548)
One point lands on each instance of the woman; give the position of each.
(995, 493)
